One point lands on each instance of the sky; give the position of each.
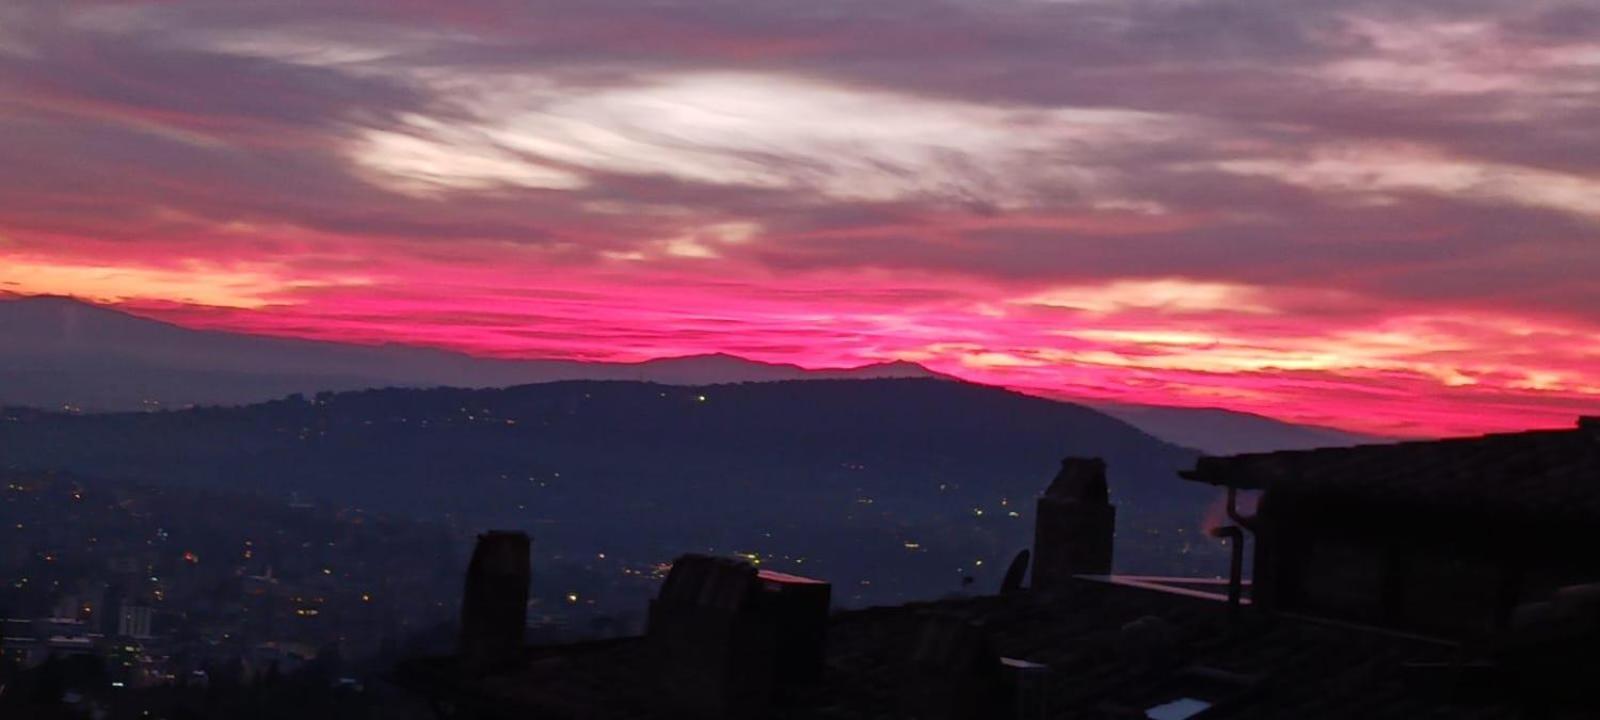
(1343, 212)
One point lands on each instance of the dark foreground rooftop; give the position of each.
(1452, 579)
(1107, 651)
(1547, 474)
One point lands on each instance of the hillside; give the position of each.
(63, 353)
(1216, 431)
(893, 488)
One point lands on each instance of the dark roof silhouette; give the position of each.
(1096, 639)
(1551, 474)
(1092, 646)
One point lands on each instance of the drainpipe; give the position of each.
(1235, 537)
(1234, 534)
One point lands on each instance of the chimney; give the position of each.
(799, 607)
(954, 673)
(494, 609)
(1075, 525)
(727, 635)
(1030, 683)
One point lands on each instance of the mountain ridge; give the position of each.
(67, 353)
(1220, 431)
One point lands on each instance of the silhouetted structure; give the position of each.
(494, 608)
(1444, 537)
(729, 635)
(954, 671)
(1346, 623)
(1076, 525)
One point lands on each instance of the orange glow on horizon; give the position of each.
(1176, 344)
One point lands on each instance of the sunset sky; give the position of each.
(1340, 212)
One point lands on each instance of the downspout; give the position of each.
(1235, 535)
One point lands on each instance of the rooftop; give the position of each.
(1110, 651)
(1409, 624)
(1551, 474)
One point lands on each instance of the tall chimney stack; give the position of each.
(494, 610)
(1075, 525)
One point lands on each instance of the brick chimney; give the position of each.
(494, 609)
(727, 636)
(1075, 525)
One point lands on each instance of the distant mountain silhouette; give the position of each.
(1216, 431)
(895, 489)
(57, 352)
(715, 368)
(63, 352)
